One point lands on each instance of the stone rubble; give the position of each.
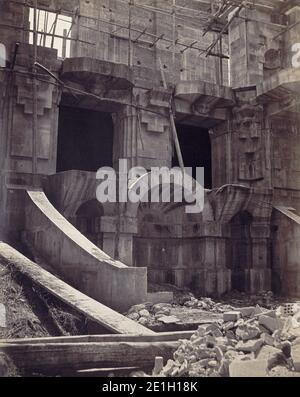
(151, 314)
(252, 340)
(237, 346)
(248, 341)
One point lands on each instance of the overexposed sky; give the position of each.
(45, 22)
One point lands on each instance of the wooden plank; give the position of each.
(96, 311)
(57, 357)
(158, 337)
(96, 372)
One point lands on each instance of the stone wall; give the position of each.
(285, 254)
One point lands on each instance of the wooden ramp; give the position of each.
(101, 314)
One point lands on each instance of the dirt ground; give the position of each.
(31, 313)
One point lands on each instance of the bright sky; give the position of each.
(46, 21)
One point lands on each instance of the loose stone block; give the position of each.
(2, 316)
(250, 346)
(231, 316)
(295, 354)
(248, 368)
(270, 323)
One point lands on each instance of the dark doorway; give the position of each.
(241, 250)
(85, 140)
(196, 150)
(88, 220)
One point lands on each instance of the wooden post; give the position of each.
(129, 34)
(64, 45)
(172, 121)
(34, 98)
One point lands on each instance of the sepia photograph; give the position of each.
(149, 192)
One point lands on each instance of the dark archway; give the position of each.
(241, 250)
(88, 221)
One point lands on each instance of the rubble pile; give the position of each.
(249, 341)
(149, 314)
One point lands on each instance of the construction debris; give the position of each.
(246, 342)
(2, 316)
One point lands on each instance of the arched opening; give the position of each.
(88, 221)
(241, 250)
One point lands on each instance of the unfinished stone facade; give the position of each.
(237, 101)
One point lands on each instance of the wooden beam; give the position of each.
(157, 337)
(57, 358)
(94, 310)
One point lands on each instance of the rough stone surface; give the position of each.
(2, 316)
(248, 369)
(295, 354)
(250, 345)
(231, 316)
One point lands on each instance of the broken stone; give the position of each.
(204, 362)
(211, 327)
(168, 368)
(143, 320)
(295, 354)
(161, 308)
(267, 351)
(198, 340)
(217, 333)
(249, 346)
(201, 330)
(158, 365)
(270, 323)
(224, 368)
(3, 366)
(138, 308)
(183, 369)
(144, 313)
(277, 359)
(133, 316)
(2, 316)
(228, 326)
(268, 339)
(257, 310)
(231, 316)
(296, 320)
(231, 355)
(286, 348)
(246, 332)
(169, 319)
(246, 311)
(230, 335)
(248, 369)
(212, 363)
(219, 353)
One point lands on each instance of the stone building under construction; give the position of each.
(85, 83)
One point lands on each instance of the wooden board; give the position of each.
(56, 358)
(158, 337)
(96, 311)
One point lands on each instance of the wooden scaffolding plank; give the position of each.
(96, 311)
(57, 357)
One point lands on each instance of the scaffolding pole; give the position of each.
(35, 93)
